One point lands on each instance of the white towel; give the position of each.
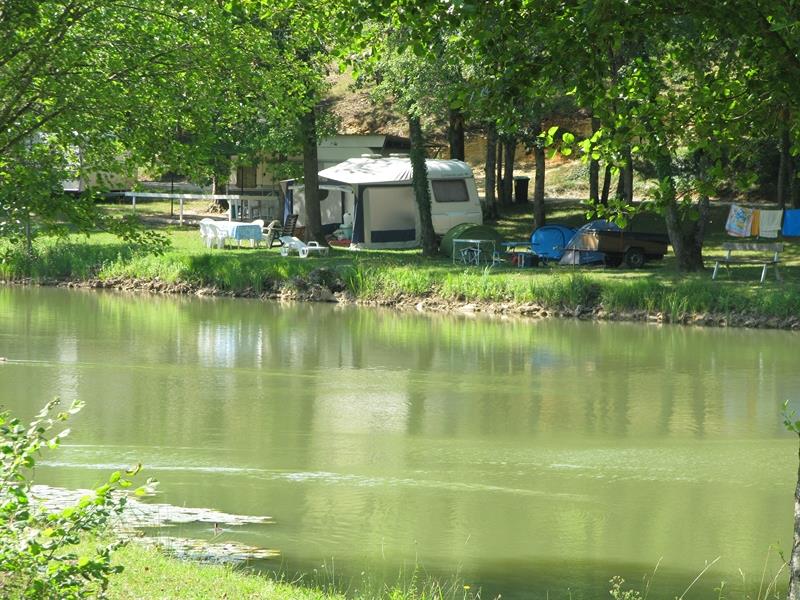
(770, 224)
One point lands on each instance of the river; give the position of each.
(532, 459)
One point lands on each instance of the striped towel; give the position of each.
(770, 224)
(740, 221)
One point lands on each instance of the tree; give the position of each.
(665, 101)
(64, 68)
(420, 81)
(507, 77)
(145, 83)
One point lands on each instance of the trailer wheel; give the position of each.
(635, 258)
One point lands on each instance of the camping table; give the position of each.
(239, 231)
(471, 250)
(521, 252)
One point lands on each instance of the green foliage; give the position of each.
(618, 591)
(38, 557)
(790, 420)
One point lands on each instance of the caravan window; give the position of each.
(450, 190)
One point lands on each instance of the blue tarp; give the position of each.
(549, 241)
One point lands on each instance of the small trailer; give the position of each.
(632, 248)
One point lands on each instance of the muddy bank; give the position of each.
(325, 285)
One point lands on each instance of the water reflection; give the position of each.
(377, 438)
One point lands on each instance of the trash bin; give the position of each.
(521, 189)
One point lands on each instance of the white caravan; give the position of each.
(377, 192)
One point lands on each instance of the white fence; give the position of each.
(240, 206)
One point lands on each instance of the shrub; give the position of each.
(38, 549)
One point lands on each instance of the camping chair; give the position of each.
(260, 223)
(211, 234)
(276, 232)
(206, 232)
(291, 244)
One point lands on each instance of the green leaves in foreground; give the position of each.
(38, 557)
(790, 420)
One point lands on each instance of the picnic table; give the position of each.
(236, 230)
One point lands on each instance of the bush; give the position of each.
(38, 557)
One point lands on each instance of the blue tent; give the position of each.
(578, 252)
(549, 241)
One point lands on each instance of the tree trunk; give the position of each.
(606, 186)
(28, 235)
(783, 167)
(313, 218)
(499, 166)
(420, 182)
(508, 177)
(686, 236)
(794, 188)
(625, 183)
(627, 175)
(455, 134)
(620, 193)
(794, 560)
(538, 187)
(594, 169)
(491, 156)
(221, 171)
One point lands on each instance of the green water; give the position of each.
(534, 459)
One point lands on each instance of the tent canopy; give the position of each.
(356, 171)
(578, 252)
(550, 241)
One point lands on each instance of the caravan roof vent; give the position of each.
(399, 155)
(371, 156)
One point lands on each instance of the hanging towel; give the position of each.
(791, 223)
(740, 221)
(754, 226)
(770, 224)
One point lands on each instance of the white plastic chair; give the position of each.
(315, 247)
(260, 223)
(219, 235)
(292, 244)
(206, 232)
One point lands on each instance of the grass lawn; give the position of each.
(149, 574)
(388, 275)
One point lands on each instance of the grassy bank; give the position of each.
(404, 276)
(149, 573)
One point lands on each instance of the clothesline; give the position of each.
(747, 222)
